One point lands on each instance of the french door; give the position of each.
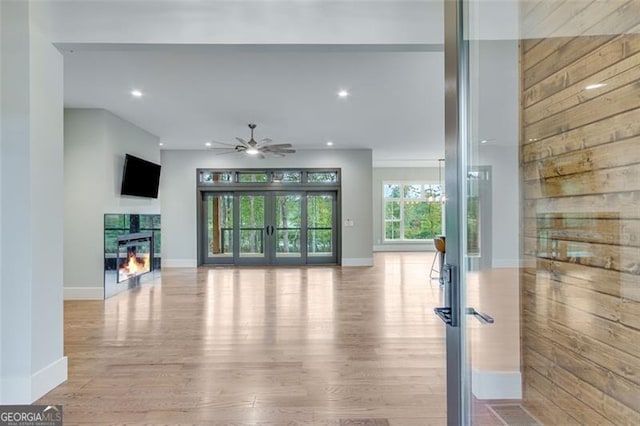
(269, 227)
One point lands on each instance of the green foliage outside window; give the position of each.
(412, 211)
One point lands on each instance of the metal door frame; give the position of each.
(456, 92)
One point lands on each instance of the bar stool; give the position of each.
(440, 246)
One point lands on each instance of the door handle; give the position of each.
(449, 313)
(483, 318)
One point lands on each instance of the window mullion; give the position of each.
(401, 227)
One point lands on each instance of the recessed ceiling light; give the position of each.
(343, 93)
(329, 143)
(136, 93)
(595, 86)
(161, 144)
(207, 144)
(484, 141)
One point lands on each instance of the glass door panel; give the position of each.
(541, 178)
(321, 218)
(219, 219)
(269, 227)
(288, 226)
(489, 236)
(251, 229)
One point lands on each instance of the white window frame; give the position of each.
(402, 200)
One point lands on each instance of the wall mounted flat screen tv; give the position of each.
(140, 178)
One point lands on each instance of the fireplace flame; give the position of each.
(134, 265)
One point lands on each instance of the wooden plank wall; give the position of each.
(580, 171)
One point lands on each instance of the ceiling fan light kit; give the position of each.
(254, 148)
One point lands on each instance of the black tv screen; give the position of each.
(140, 177)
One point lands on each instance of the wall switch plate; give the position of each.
(348, 222)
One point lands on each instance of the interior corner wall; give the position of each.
(178, 189)
(95, 144)
(32, 358)
(397, 174)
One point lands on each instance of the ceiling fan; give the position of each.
(254, 148)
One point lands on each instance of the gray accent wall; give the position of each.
(397, 174)
(95, 144)
(178, 189)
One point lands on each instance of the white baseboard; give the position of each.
(496, 384)
(48, 378)
(179, 263)
(26, 390)
(83, 293)
(365, 261)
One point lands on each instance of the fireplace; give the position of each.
(132, 251)
(134, 255)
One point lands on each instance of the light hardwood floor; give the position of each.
(277, 346)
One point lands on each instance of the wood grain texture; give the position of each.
(580, 173)
(268, 346)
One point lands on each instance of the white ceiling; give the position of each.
(207, 68)
(195, 95)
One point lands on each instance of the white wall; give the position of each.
(1, 133)
(495, 78)
(95, 144)
(123, 137)
(397, 174)
(32, 360)
(505, 199)
(84, 147)
(47, 207)
(497, 107)
(178, 188)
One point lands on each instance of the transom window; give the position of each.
(269, 176)
(412, 211)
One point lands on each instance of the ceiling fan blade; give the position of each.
(224, 143)
(228, 152)
(266, 140)
(242, 141)
(261, 156)
(278, 146)
(283, 151)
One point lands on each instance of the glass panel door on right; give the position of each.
(251, 228)
(321, 225)
(548, 172)
(288, 235)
